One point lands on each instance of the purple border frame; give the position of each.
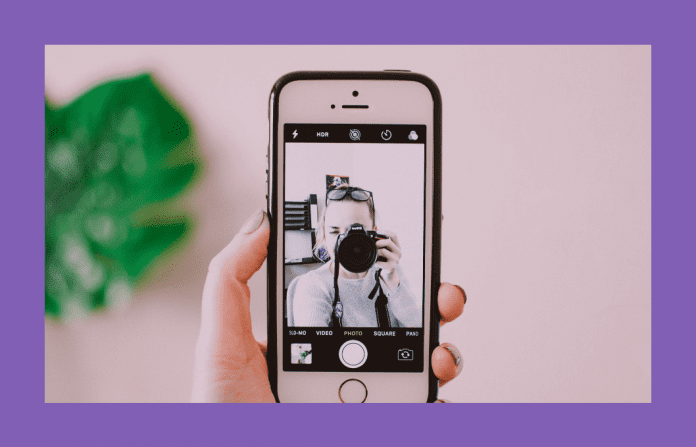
(668, 26)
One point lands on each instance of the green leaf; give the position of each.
(52, 306)
(114, 151)
(170, 182)
(150, 243)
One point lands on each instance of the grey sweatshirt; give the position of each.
(310, 299)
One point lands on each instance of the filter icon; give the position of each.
(413, 136)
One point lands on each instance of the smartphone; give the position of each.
(354, 187)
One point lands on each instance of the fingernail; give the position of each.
(457, 356)
(253, 223)
(442, 401)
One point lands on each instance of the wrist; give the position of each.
(391, 279)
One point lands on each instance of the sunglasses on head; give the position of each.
(357, 194)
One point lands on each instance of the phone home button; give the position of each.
(352, 391)
(353, 354)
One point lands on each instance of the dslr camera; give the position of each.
(356, 250)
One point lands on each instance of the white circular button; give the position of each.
(353, 354)
(352, 391)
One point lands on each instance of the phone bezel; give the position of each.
(376, 381)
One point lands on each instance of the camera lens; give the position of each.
(355, 93)
(333, 106)
(357, 252)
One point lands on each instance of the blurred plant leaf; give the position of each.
(110, 154)
(150, 242)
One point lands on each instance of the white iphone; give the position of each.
(354, 187)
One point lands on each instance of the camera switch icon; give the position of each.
(405, 354)
(413, 136)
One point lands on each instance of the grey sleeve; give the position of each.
(404, 304)
(312, 303)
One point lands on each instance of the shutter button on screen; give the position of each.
(353, 354)
(352, 391)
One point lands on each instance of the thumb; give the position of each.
(229, 365)
(225, 313)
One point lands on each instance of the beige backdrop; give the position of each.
(546, 198)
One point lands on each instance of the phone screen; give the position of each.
(354, 232)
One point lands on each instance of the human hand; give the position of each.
(389, 250)
(230, 365)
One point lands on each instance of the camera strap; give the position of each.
(381, 311)
(380, 303)
(337, 314)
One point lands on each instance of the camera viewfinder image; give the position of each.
(301, 353)
(354, 235)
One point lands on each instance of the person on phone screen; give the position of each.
(311, 297)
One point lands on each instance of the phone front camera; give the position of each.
(355, 93)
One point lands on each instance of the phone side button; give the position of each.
(352, 391)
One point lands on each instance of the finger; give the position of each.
(392, 236)
(225, 314)
(388, 255)
(390, 261)
(450, 302)
(447, 362)
(391, 256)
(229, 363)
(388, 245)
(263, 346)
(243, 256)
(385, 243)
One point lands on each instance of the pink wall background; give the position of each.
(546, 198)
